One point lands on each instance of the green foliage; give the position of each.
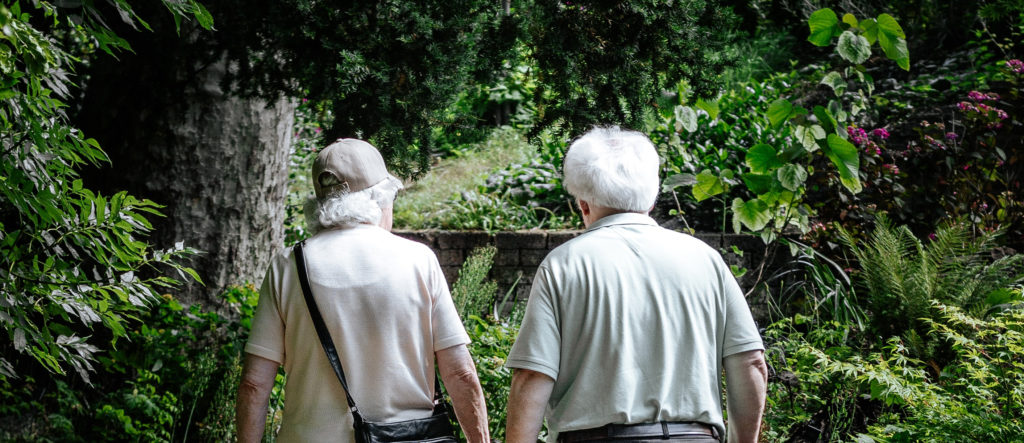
(780, 163)
(74, 262)
(976, 396)
(903, 276)
(818, 289)
(389, 69)
(173, 378)
(591, 72)
(472, 291)
(492, 335)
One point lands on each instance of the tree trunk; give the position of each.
(219, 163)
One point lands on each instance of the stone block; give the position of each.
(451, 273)
(556, 238)
(428, 238)
(521, 240)
(532, 257)
(451, 257)
(506, 257)
(463, 239)
(507, 275)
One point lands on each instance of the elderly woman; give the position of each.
(385, 303)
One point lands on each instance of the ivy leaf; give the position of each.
(824, 24)
(792, 176)
(835, 81)
(870, 28)
(846, 158)
(753, 214)
(762, 158)
(779, 111)
(708, 185)
(853, 48)
(677, 180)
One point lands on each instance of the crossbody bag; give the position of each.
(436, 428)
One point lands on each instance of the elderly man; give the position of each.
(384, 301)
(629, 325)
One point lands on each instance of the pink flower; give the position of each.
(1015, 66)
(976, 96)
(880, 133)
(932, 236)
(951, 136)
(857, 135)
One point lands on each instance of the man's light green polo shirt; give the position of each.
(632, 322)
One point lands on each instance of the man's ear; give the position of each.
(584, 206)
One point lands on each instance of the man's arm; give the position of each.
(530, 392)
(459, 375)
(253, 394)
(746, 379)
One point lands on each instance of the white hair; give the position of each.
(343, 209)
(614, 168)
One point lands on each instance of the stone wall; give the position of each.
(520, 252)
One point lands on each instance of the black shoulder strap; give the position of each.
(321, 329)
(328, 344)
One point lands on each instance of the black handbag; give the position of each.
(436, 428)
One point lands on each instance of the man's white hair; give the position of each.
(614, 168)
(345, 209)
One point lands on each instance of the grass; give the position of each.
(422, 199)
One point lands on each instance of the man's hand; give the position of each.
(253, 394)
(530, 392)
(459, 375)
(746, 379)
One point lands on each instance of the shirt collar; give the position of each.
(624, 218)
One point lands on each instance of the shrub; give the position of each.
(173, 378)
(491, 333)
(831, 392)
(903, 276)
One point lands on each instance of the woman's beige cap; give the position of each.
(347, 165)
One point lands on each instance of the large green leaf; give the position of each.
(708, 185)
(686, 118)
(892, 39)
(711, 107)
(762, 158)
(825, 119)
(850, 20)
(753, 214)
(792, 176)
(889, 26)
(778, 111)
(677, 180)
(758, 183)
(870, 28)
(824, 24)
(853, 48)
(835, 81)
(846, 158)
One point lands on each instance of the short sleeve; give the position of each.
(740, 330)
(447, 326)
(266, 338)
(538, 347)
